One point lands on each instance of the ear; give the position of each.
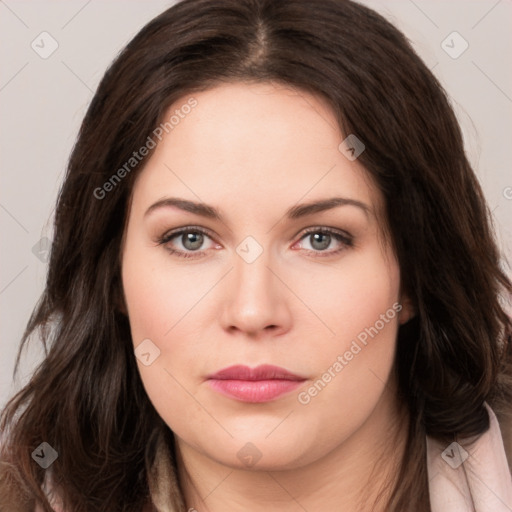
(408, 310)
(121, 304)
(119, 301)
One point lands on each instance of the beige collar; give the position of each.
(470, 477)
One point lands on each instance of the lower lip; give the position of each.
(255, 391)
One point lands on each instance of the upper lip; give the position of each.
(262, 372)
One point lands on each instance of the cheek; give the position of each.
(359, 303)
(164, 302)
(159, 295)
(352, 380)
(351, 295)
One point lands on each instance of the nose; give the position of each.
(256, 301)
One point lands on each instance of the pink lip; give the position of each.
(260, 384)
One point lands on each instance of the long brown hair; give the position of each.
(86, 399)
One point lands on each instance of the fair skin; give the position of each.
(253, 152)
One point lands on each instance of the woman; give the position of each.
(273, 284)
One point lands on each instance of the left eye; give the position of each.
(193, 238)
(321, 238)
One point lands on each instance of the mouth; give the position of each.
(261, 384)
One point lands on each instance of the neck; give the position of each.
(351, 477)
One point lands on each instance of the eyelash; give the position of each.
(345, 238)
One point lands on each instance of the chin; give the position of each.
(261, 453)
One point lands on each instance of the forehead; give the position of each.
(267, 146)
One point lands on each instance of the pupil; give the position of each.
(322, 245)
(192, 240)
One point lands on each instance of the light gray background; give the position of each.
(42, 103)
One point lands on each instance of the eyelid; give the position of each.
(169, 234)
(342, 236)
(339, 234)
(324, 229)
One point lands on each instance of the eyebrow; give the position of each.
(295, 212)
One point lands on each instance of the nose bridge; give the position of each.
(252, 277)
(255, 296)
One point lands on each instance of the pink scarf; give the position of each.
(470, 478)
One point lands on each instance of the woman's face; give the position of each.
(265, 284)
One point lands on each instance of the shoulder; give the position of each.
(473, 475)
(505, 424)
